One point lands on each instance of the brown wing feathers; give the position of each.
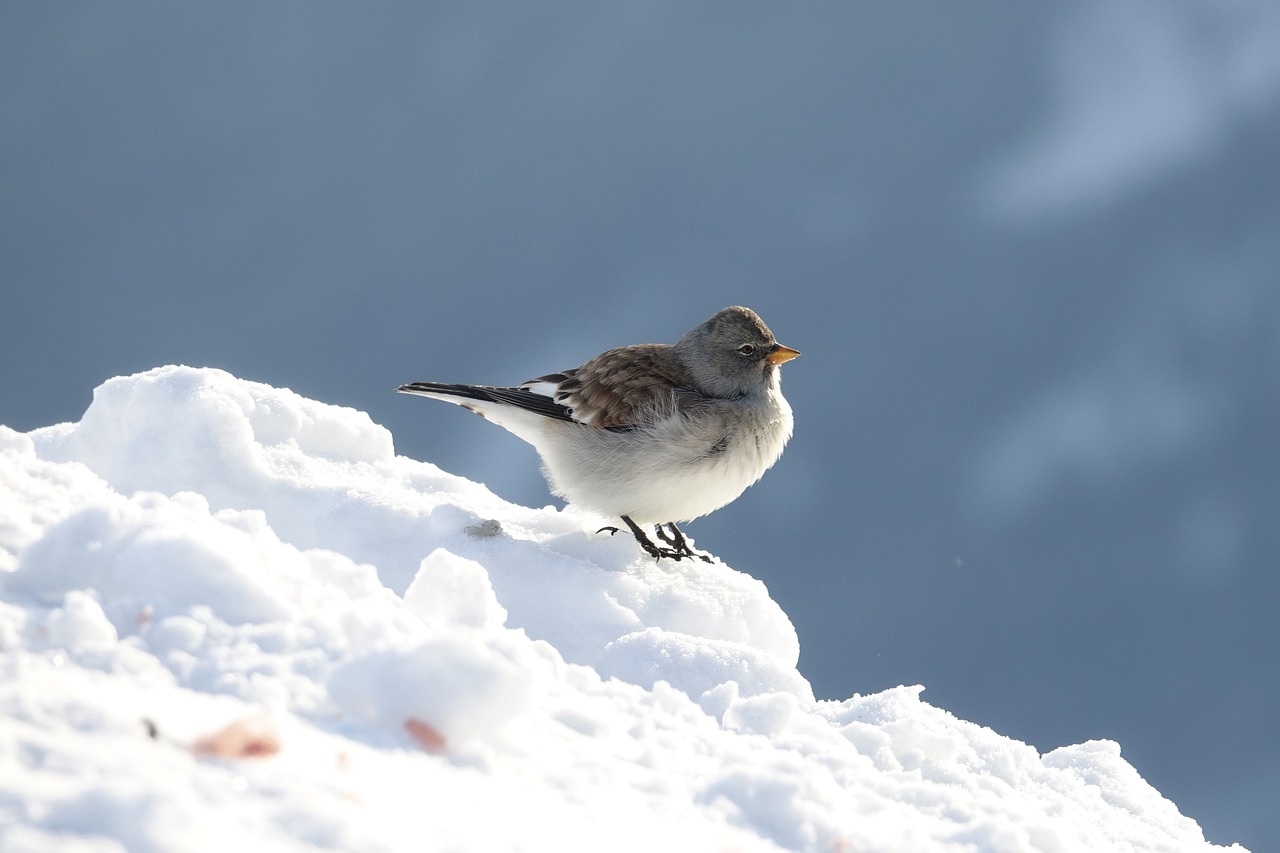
(621, 387)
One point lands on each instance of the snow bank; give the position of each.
(232, 617)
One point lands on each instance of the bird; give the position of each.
(653, 434)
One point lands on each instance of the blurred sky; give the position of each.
(1031, 254)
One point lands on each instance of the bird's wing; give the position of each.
(521, 397)
(621, 389)
(517, 410)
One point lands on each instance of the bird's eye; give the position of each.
(747, 349)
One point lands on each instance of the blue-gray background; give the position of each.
(1031, 253)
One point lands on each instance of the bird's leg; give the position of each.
(645, 543)
(675, 538)
(677, 541)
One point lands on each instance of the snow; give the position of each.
(233, 617)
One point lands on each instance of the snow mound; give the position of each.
(232, 616)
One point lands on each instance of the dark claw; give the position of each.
(677, 541)
(612, 530)
(671, 535)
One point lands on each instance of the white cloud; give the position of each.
(1139, 87)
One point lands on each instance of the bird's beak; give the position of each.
(780, 354)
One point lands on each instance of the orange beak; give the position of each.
(781, 354)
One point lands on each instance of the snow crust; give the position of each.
(405, 661)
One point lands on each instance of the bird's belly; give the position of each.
(656, 478)
(683, 493)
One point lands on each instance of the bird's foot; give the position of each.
(612, 530)
(677, 547)
(673, 537)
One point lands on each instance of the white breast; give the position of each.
(677, 470)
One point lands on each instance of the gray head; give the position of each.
(732, 352)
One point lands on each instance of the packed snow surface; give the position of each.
(232, 618)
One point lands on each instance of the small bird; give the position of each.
(651, 433)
